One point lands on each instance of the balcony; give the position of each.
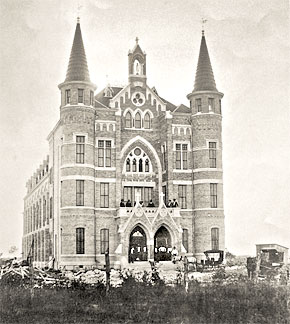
(148, 211)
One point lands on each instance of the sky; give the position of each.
(249, 47)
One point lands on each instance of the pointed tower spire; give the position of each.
(78, 66)
(204, 78)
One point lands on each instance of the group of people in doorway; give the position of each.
(128, 203)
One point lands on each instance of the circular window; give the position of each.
(138, 99)
(137, 151)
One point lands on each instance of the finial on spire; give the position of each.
(203, 21)
(78, 13)
(137, 39)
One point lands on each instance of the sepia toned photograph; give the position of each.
(145, 161)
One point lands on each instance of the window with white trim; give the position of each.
(104, 153)
(80, 240)
(104, 239)
(213, 195)
(80, 149)
(80, 192)
(137, 161)
(212, 154)
(181, 156)
(104, 195)
(182, 196)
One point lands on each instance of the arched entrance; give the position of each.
(138, 245)
(162, 245)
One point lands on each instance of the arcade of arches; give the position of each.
(138, 249)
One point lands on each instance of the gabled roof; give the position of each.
(182, 109)
(100, 97)
(78, 67)
(204, 78)
(169, 106)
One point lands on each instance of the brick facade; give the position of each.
(133, 143)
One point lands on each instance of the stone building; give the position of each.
(128, 143)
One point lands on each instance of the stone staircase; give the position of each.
(163, 266)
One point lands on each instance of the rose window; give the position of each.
(138, 99)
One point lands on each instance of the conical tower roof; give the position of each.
(204, 78)
(78, 66)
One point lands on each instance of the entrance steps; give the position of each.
(162, 266)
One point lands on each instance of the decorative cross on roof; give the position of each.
(137, 39)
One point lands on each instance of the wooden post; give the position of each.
(107, 259)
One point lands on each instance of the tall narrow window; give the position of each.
(128, 120)
(44, 211)
(147, 121)
(80, 240)
(80, 95)
(140, 165)
(213, 195)
(210, 104)
(101, 151)
(128, 167)
(138, 120)
(104, 240)
(178, 156)
(198, 105)
(185, 239)
(182, 196)
(104, 192)
(220, 107)
(67, 96)
(146, 165)
(147, 195)
(215, 238)
(134, 165)
(80, 192)
(91, 98)
(181, 156)
(80, 149)
(50, 207)
(212, 154)
(164, 191)
(108, 153)
(184, 156)
(163, 156)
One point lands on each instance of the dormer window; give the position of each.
(80, 95)
(67, 96)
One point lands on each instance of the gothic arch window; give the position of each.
(138, 120)
(137, 161)
(140, 165)
(128, 165)
(134, 165)
(147, 121)
(128, 120)
(146, 165)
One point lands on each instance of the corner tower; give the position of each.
(206, 123)
(74, 158)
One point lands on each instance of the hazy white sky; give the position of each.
(248, 42)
